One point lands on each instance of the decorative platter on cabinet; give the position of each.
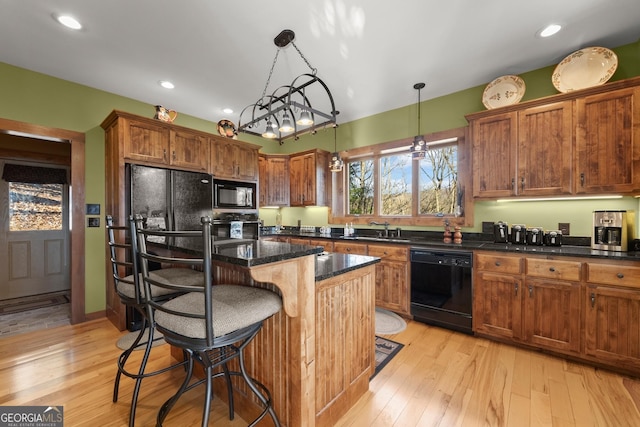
(505, 90)
(588, 67)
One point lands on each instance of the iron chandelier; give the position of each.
(288, 111)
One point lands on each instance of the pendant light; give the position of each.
(419, 147)
(336, 163)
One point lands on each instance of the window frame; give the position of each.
(340, 187)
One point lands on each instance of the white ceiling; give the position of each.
(369, 52)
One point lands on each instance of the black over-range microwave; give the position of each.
(234, 195)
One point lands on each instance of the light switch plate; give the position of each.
(565, 228)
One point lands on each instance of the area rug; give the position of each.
(385, 351)
(388, 323)
(127, 340)
(17, 305)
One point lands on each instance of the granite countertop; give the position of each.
(250, 253)
(430, 241)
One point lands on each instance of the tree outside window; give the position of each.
(361, 187)
(437, 179)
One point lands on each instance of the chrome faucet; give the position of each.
(386, 227)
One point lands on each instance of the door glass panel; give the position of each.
(35, 206)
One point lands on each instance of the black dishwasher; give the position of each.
(441, 288)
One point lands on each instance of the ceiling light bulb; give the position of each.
(305, 118)
(550, 30)
(269, 132)
(69, 22)
(167, 84)
(286, 124)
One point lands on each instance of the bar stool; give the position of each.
(127, 285)
(212, 324)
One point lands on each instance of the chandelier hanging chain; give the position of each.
(313, 70)
(273, 65)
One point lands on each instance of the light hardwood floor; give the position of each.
(440, 378)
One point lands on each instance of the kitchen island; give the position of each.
(317, 354)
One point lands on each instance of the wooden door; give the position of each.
(613, 325)
(552, 313)
(146, 142)
(222, 158)
(392, 277)
(246, 159)
(297, 186)
(189, 151)
(34, 248)
(545, 150)
(608, 142)
(494, 142)
(277, 179)
(497, 305)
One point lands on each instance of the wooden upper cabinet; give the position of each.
(608, 142)
(308, 178)
(524, 153)
(189, 150)
(580, 142)
(274, 180)
(494, 155)
(231, 159)
(545, 150)
(145, 142)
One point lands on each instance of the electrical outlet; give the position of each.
(564, 227)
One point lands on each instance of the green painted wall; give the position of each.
(40, 99)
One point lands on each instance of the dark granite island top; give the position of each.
(251, 253)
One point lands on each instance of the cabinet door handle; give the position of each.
(552, 269)
(530, 291)
(522, 183)
(164, 154)
(593, 299)
(582, 179)
(620, 275)
(513, 183)
(516, 287)
(174, 155)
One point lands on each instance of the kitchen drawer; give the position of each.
(389, 252)
(498, 263)
(610, 274)
(325, 243)
(554, 269)
(350, 248)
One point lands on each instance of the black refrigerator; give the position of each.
(167, 200)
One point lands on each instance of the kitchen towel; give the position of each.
(235, 231)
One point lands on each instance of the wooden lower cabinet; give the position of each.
(588, 309)
(392, 277)
(612, 314)
(497, 305)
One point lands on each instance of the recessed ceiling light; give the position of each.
(549, 30)
(69, 22)
(227, 110)
(166, 84)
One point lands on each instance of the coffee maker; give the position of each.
(612, 230)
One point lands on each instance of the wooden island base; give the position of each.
(317, 354)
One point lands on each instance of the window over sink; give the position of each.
(384, 182)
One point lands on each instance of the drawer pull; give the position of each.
(497, 263)
(620, 275)
(552, 269)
